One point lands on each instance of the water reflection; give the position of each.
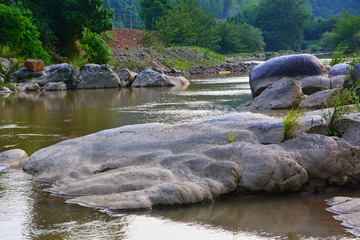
(27, 212)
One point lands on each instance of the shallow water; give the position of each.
(35, 120)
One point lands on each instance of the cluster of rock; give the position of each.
(36, 77)
(297, 80)
(142, 166)
(228, 67)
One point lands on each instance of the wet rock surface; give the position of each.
(347, 210)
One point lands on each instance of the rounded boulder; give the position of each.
(294, 66)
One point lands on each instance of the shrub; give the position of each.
(96, 48)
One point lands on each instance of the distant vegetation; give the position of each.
(68, 30)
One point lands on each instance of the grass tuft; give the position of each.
(291, 123)
(232, 137)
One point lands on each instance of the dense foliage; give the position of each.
(126, 13)
(347, 30)
(18, 32)
(324, 8)
(152, 10)
(61, 23)
(282, 23)
(188, 24)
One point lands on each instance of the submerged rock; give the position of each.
(348, 210)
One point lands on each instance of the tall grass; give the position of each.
(291, 123)
(339, 106)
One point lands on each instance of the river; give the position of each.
(32, 121)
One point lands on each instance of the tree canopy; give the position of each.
(18, 32)
(62, 22)
(347, 30)
(282, 23)
(152, 10)
(189, 24)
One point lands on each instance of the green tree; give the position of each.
(239, 37)
(62, 22)
(152, 10)
(18, 32)
(347, 30)
(188, 24)
(282, 23)
(96, 48)
(247, 14)
(319, 26)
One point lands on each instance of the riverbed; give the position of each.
(32, 121)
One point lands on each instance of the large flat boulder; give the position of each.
(151, 78)
(294, 66)
(142, 166)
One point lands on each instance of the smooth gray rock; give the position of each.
(5, 65)
(337, 81)
(126, 76)
(314, 84)
(350, 128)
(151, 78)
(356, 72)
(62, 73)
(317, 100)
(2, 78)
(279, 172)
(328, 158)
(97, 76)
(24, 73)
(339, 69)
(294, 66)
(28, 87)
(13, 156)
(4, 90)
(52, 68)
(55, 86)
(285, 93)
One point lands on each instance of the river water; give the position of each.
(31, 121)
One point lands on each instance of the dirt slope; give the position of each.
(126, 38)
